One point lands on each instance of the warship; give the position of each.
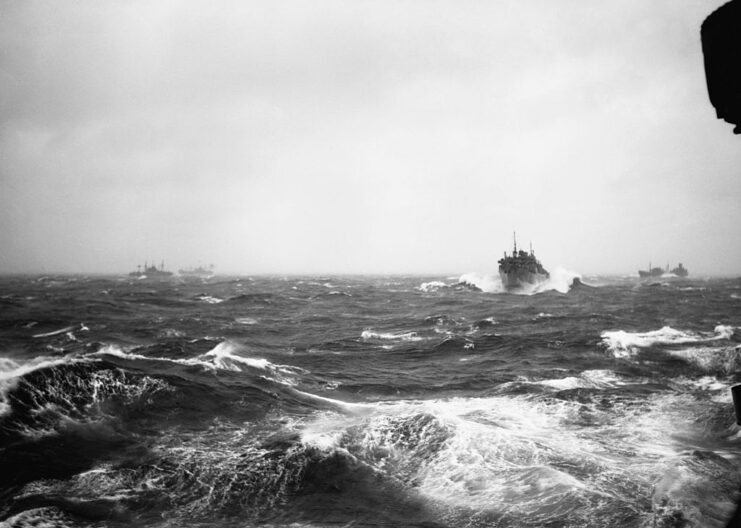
(200, 271)
(150, 272)
(521, 268)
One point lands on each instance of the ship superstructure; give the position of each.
(521, 269)
(151, 272)
(656, 272)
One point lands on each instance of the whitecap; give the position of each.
(55, 332)
(209, 299)
(485, 283)
(406, 336)
(625, 344)
(11, 371)
(432, 286)
(559, 280)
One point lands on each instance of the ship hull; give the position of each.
(150, 274)
(521, 278)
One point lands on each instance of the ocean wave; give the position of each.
(11, 372)
(390, 336)
(252, 298)
(526, 457)
(67, 392)
(485, 283)
(432, 286)
(624, 344)
(208, 299)
(723, 360)
(589, 379)
(224, 356)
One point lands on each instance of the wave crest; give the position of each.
(624, 344)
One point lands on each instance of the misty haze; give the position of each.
(353, 137)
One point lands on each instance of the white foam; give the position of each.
(624, 344)
(560, 280)
(224, 357)
(485, 283)
(518, 454)
(404, 336)
(589, 379)
(210, 299)
(11, 371)
(707, 384)
(432, 286)
(56, 332)
(721, 359)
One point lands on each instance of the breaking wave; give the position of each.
(625, 344)
(390, 336)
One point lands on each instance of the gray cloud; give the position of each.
(361, 136)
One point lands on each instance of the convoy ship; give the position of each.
(151, 272)
(652, 272)
(521, 268)
(200, 271)
(679, 271)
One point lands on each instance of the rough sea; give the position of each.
(368, 401)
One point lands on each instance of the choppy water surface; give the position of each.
(367, 401)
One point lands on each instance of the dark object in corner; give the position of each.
(736, 393)
(721, 46)
(735, 521)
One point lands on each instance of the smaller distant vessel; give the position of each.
(521, 268)
(200, 271)
(655, 272)
(652, 272)
(151, 272)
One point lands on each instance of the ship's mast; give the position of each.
(514, 237)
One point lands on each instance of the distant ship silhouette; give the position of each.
(151, 272)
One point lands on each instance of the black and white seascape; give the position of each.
(367, 401)
(369, 263)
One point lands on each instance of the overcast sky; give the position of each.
(352, 136)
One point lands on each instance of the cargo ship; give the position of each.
(151, 272)
(652, 272)
(521, 269)
(656, 272)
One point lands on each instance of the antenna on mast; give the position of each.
(514, 237)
